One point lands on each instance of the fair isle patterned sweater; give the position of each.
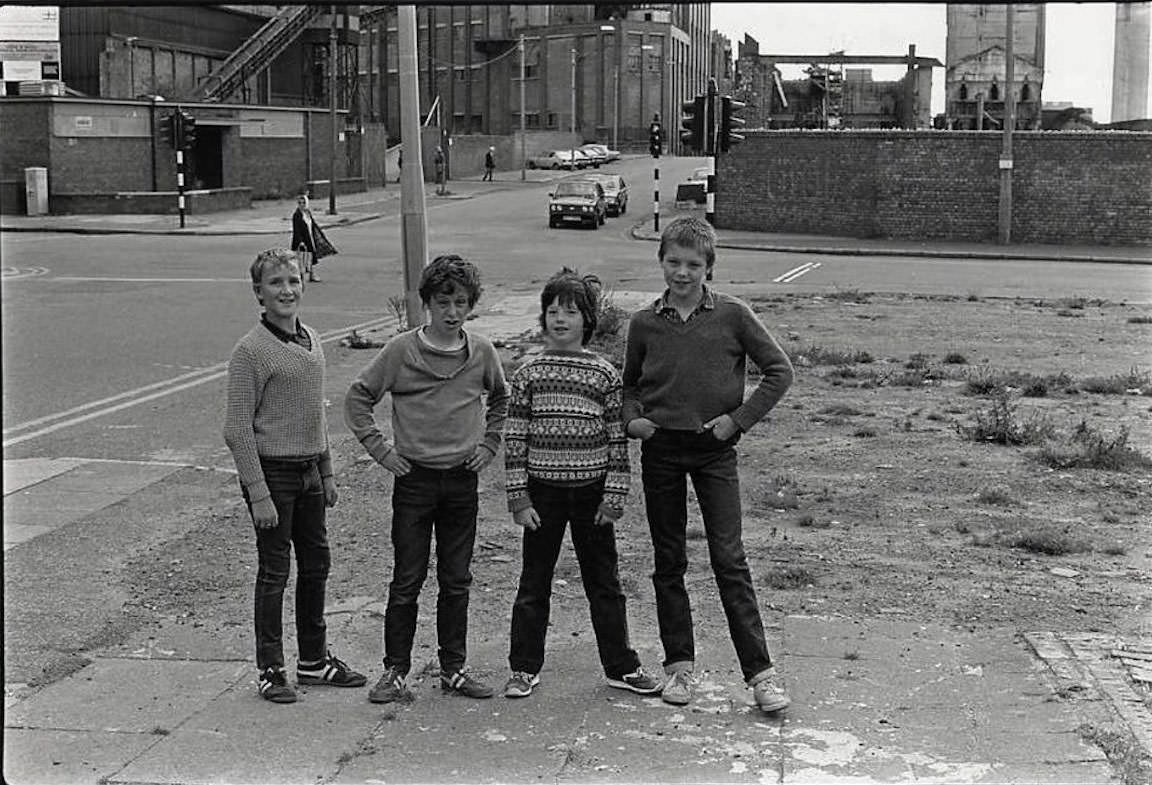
(564, 428)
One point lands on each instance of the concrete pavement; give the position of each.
(274, 217)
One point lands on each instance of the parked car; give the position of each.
(609, 154)
(556, 159)
(577, 201)
(595, 155)
(615, 191)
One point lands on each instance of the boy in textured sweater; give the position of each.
(442, 437)
(566, 458)
(684, 377)
(277, 431)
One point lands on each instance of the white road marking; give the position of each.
(146, 280)
(149, 392)
(796, 272)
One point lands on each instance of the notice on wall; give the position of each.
(29, 43)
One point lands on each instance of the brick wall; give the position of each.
(25, 129)
(1088, 188)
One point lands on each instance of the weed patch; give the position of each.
(1088, 448)
(1000, 424)
(788, 577)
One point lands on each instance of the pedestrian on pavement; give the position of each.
(399, 164)
(489, 164)
(277, 431)
(438, 161)
(308, 239)
(566, 458)
(443, 436)
(684, 377)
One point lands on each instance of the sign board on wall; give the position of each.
(29, 43)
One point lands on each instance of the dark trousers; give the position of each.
(298, 494)
(425, 502)
(667, 459)
(596, 552)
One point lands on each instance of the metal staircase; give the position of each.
(258, 52)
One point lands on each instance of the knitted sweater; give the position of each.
(438, 419)
(564, 428)
(275, 405)
(680, 375)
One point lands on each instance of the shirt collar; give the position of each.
(284, 336)
(707, 301)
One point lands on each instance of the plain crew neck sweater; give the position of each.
(680, 375)
(275, 405)
(438, 419)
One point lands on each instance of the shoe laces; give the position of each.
(682, 679)
(336, 662)
(274, 676)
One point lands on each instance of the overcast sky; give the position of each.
(1078, 53)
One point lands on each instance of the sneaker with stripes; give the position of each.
(273, 685)
(331, 671)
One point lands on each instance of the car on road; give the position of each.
(576, 201)
(695, 188)
(557, 159)
(615, 191)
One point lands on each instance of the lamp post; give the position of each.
(615, 87)
(332, 114)
(523, 125)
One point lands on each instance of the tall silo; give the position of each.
(1130, 64)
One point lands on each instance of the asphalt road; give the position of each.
(146, 323)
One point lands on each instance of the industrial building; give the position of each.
(974, 80)
(315, 89)
(833, 95)
(1130, 62)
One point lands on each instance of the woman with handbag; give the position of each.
(308, 239)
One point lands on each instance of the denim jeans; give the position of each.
(427, 501)
(668, 458)
(596, 553)
(298, 494)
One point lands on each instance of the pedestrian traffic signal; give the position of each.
(187, 129)
(692, 123)
(167, 128)
(655, 139)
(730, 123)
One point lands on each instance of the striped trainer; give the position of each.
(331, 671)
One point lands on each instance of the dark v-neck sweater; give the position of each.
(682, 374)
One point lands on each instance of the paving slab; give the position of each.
(23, 472)
(69, 757)
(240, 738)
(126, 696)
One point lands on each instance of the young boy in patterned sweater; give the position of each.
(566, 458)
(278, 434)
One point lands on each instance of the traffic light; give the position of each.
(188, 129)
(730, 123)
(692, 123)
(167, 127)
(655, 139)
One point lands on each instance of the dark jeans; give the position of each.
(596, 552)
(298, 494)
(667, 459)
(424, 501)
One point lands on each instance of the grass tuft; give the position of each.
(788, 577)
(1088, 448)
(1000, 424)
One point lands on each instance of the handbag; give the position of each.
(323, 246)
